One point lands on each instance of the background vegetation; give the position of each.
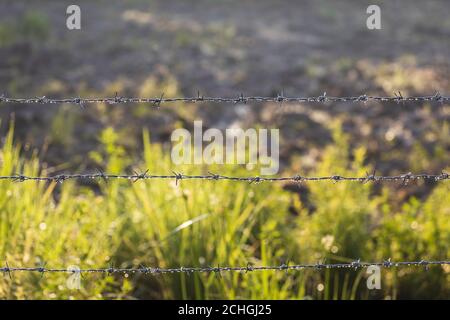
(145, 223)
(144, 48)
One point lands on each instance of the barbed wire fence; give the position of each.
(240, 99)
(404, 178)
(354, 265)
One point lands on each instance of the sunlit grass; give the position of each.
(198, 223)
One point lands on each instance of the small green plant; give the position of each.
(32, 27)
(6, 35)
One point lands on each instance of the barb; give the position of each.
(403, 178)
(241, 98)
(355, 265)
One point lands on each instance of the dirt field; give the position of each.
(225, 48)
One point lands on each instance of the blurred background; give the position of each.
(225, 48)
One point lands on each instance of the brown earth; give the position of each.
(223, 48)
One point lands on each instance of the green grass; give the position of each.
(129, 224)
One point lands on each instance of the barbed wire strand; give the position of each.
(240, 99)
(404, 178)
(248, 268)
